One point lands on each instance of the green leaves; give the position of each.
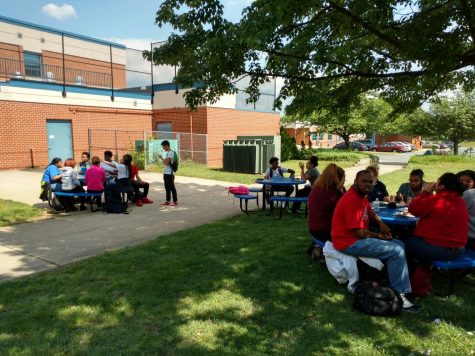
(328, 52)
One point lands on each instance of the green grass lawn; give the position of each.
(240, 286)
(433, 167)
(191, 169)
(13, 212)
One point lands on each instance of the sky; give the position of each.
(129, 22)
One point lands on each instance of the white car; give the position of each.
(407, 146)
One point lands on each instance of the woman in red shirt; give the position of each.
(326, 192)
(441, 233)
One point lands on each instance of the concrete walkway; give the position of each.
(46, 244)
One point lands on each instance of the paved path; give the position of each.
(47, 244)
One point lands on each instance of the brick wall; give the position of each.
(13, 52)
(227, 124)
(23, 133)
(220, 124)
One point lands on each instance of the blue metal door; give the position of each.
(60, 143)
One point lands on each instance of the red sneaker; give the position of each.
(138, 203)
(146, 201)
(165, 204)
(173, 204)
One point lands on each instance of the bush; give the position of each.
(325, 154)
(288, 146)
(138, 158)
(427, 160)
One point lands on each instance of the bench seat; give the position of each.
(284, 199)
(466, 260)
(77, 194)
(245, 198)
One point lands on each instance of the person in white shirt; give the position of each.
(275, 171)
(71, 184)
(111, 171)
(169, 175)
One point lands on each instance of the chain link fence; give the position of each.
(145, 145)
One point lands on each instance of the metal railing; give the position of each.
(11, 68)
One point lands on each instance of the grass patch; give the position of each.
(433, 167)
(239, 286)
(12, 212)
(192, 169)
(332, 155)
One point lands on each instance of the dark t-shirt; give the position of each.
(379, 191)
(321, 205)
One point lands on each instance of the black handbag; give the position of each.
(374, 299)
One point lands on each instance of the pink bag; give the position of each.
(239, 190)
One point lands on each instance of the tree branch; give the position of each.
(365, 25)
(468, 17)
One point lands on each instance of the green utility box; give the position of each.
(247, 155)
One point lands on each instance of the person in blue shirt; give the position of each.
(52, 174)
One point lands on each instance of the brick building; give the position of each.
(313, 136)
(59, 91)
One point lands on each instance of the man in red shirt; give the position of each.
(351, 235)
(138, 183)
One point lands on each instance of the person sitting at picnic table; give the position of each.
(275, 171)
(467, 178)
(441, 233)
(310, 174)
(410, 190)
(95, 178)
(71, 184)
(325, 194)
(111, 171)
(124, 178)
(52, 174)
(85, 163)
(351, 235)
(379, 190)
(138, 183)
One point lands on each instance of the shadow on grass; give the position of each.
(239, 286)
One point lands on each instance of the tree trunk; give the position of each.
(456, 147)
(346, 138)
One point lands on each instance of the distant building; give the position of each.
(312, 134)
(63, 93)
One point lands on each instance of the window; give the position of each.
(165, 130)
(314, 137)
(330, 137)
(32, 64)
(320, 136)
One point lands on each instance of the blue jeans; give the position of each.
(420, 251)
(393, 256)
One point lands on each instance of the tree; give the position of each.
(364, 116)
(288, 146)
(448, 118)
(326, 51)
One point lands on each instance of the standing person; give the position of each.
(379, 190)
(71, 184)
(322, 200)
(85, 163)
(408, 191)
(138, 183)
(111, 171)
(310, 175)
(276, 171)
(350, 234)
(169, 175)
(95, 178)
(467, 178)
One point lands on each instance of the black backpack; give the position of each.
(174, 164)
(374, 299)
(116, 206)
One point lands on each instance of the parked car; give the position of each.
(429, 144)
(367, 142)
(389, 147)
(407, 145)
(449, 144)
(355, 146)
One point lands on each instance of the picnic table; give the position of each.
(396, 216)
(276, 182)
